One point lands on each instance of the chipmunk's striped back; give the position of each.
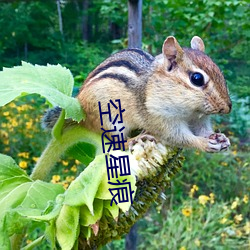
(124, 66)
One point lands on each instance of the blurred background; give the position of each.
(207, 206)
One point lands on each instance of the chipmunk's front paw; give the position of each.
(141, 139)
(217, 142)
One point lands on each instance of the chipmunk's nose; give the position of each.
(227, 108)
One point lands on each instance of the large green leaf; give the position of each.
(53, 82)
(84, 152)
(83, 189)
(93, 183)
(6, 186)
(9, 168)
(67, 226)
(22, 200)
(86, 218)
(39, 194)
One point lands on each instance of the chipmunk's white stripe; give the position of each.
(115, 71)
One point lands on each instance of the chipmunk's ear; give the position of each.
(197, 43)
(171, 49)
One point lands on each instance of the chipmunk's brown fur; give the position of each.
(158, 95)
(169, 96)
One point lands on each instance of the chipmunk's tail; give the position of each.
(50, 117)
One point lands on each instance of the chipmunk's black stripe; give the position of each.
(142, 53)
(118, 63)
(118, 77)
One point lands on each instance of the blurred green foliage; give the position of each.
(30, 32)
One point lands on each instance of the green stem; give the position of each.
(57, 147)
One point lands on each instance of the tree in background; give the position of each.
(135, 23)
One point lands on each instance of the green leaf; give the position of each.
(14, 198)
(114, 210)
(86, 232)
(82, 190)
(83, 152)
(39, 194)
(20, 197)
(6, 186)
(67, 226)
(50, 234)
(9, 168)
(14, 223)
(53, 82)
(4, 240)
(50, 213)
(104, 193)
(86, 218)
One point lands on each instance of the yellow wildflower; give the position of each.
(24, 154)
(55, 178)
(235, 203)
(14, 123)
(70, 178)
(12, 105)
(65, 185)
(65, 163)
(211, 195)
(234, 152)
(23, 164)
(187, 211)
(224, 164)
(247, 227)
(183, 248)
(6, 113)
(223, 235)
(203, 199)
(193, 190)
(238, 233)
(6, 141)
(245, 199)
(197, 242)
(4, 134)
(35, 159)
(6, 149)
(223, 220)
(77, 162)
(23, 107)
(238, 218)
(29, 124)
(73, 168)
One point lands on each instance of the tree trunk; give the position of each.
(85, 23)
(135, 23)
(59, 16)
(131, 238)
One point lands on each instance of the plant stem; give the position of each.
(57, 147)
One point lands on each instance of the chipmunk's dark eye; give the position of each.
(197, 79)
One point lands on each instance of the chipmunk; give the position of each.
(170, 96)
